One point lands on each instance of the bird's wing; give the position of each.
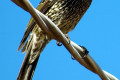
(43, 7)
(34, 45)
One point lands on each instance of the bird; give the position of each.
(65, 14)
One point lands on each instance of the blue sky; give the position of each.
(98, 31)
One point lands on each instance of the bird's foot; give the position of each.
(85, 51)
(59, 43)
(72, 58)
(66, 35)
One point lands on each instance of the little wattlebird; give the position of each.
(65, 14)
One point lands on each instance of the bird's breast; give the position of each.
(67, 13)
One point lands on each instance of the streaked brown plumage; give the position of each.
(65, 14)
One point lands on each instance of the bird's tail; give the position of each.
(33, 47)
(27, 70)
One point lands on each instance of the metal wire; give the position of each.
(51, 29)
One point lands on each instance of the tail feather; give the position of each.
(29, 28)
(24, 47)
(43, 7)
(33, 47)
(27, 70)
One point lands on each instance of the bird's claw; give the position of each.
(59, 43)
(85, 51)
(73, 58)
(67, 38)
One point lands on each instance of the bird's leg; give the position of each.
(85, 51)
(72, 58)
(69, 43)
(60, 44)
(66, 35)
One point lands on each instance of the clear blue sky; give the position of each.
(98, 31)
